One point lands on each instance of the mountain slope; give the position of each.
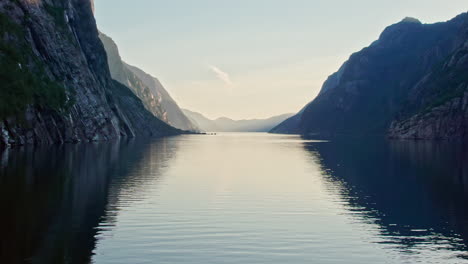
(120, 73)
(290, 125)
(373, 87)
(174, 115)
(201, 121)
(153, 95)
(224, 124)
(437, 107)
(56, 86)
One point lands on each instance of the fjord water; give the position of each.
(235, 198)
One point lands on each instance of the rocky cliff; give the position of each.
(437, 107)
(173, 113)
(383, 83)
(55, 80)
(152, 93)
(120, 73)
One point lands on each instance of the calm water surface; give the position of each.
(235, 198)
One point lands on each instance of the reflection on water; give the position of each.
(53, 198)
(235, 198)
(417, 192)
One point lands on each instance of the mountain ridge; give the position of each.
(148, 88)
(225, 124)
(373, 87)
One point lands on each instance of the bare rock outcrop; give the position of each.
(61, 89)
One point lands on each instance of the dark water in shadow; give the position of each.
(52, 199)
(416, 192)
(235, 198)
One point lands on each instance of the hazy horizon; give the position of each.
(214, 57)
(102, 163)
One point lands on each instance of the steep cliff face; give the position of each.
(120, 73)
(56, 85)
(153, 95)
(437, 107)
(173, 113)
(374, 86)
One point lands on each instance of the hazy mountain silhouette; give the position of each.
(225, 124)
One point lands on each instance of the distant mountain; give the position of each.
(290, 125)
(153, 95)
(224, 124)
(201, 121)
(410, 83)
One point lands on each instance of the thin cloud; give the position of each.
(223, 76)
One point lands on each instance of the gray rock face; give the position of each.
(152, 93)
(173, 114)
(447, 121)
(123, 75)
(63, 41)
(437, 107)
(381, 88)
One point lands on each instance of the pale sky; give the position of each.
(252, 58)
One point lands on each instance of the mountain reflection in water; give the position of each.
(417, 192)
(53, 198)
(235, 198)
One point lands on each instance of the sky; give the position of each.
(252, 58)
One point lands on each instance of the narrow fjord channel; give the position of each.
(235, 198)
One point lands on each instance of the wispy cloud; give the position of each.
(223, 76)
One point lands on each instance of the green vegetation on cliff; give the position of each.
(20, 86)
(447, 83)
